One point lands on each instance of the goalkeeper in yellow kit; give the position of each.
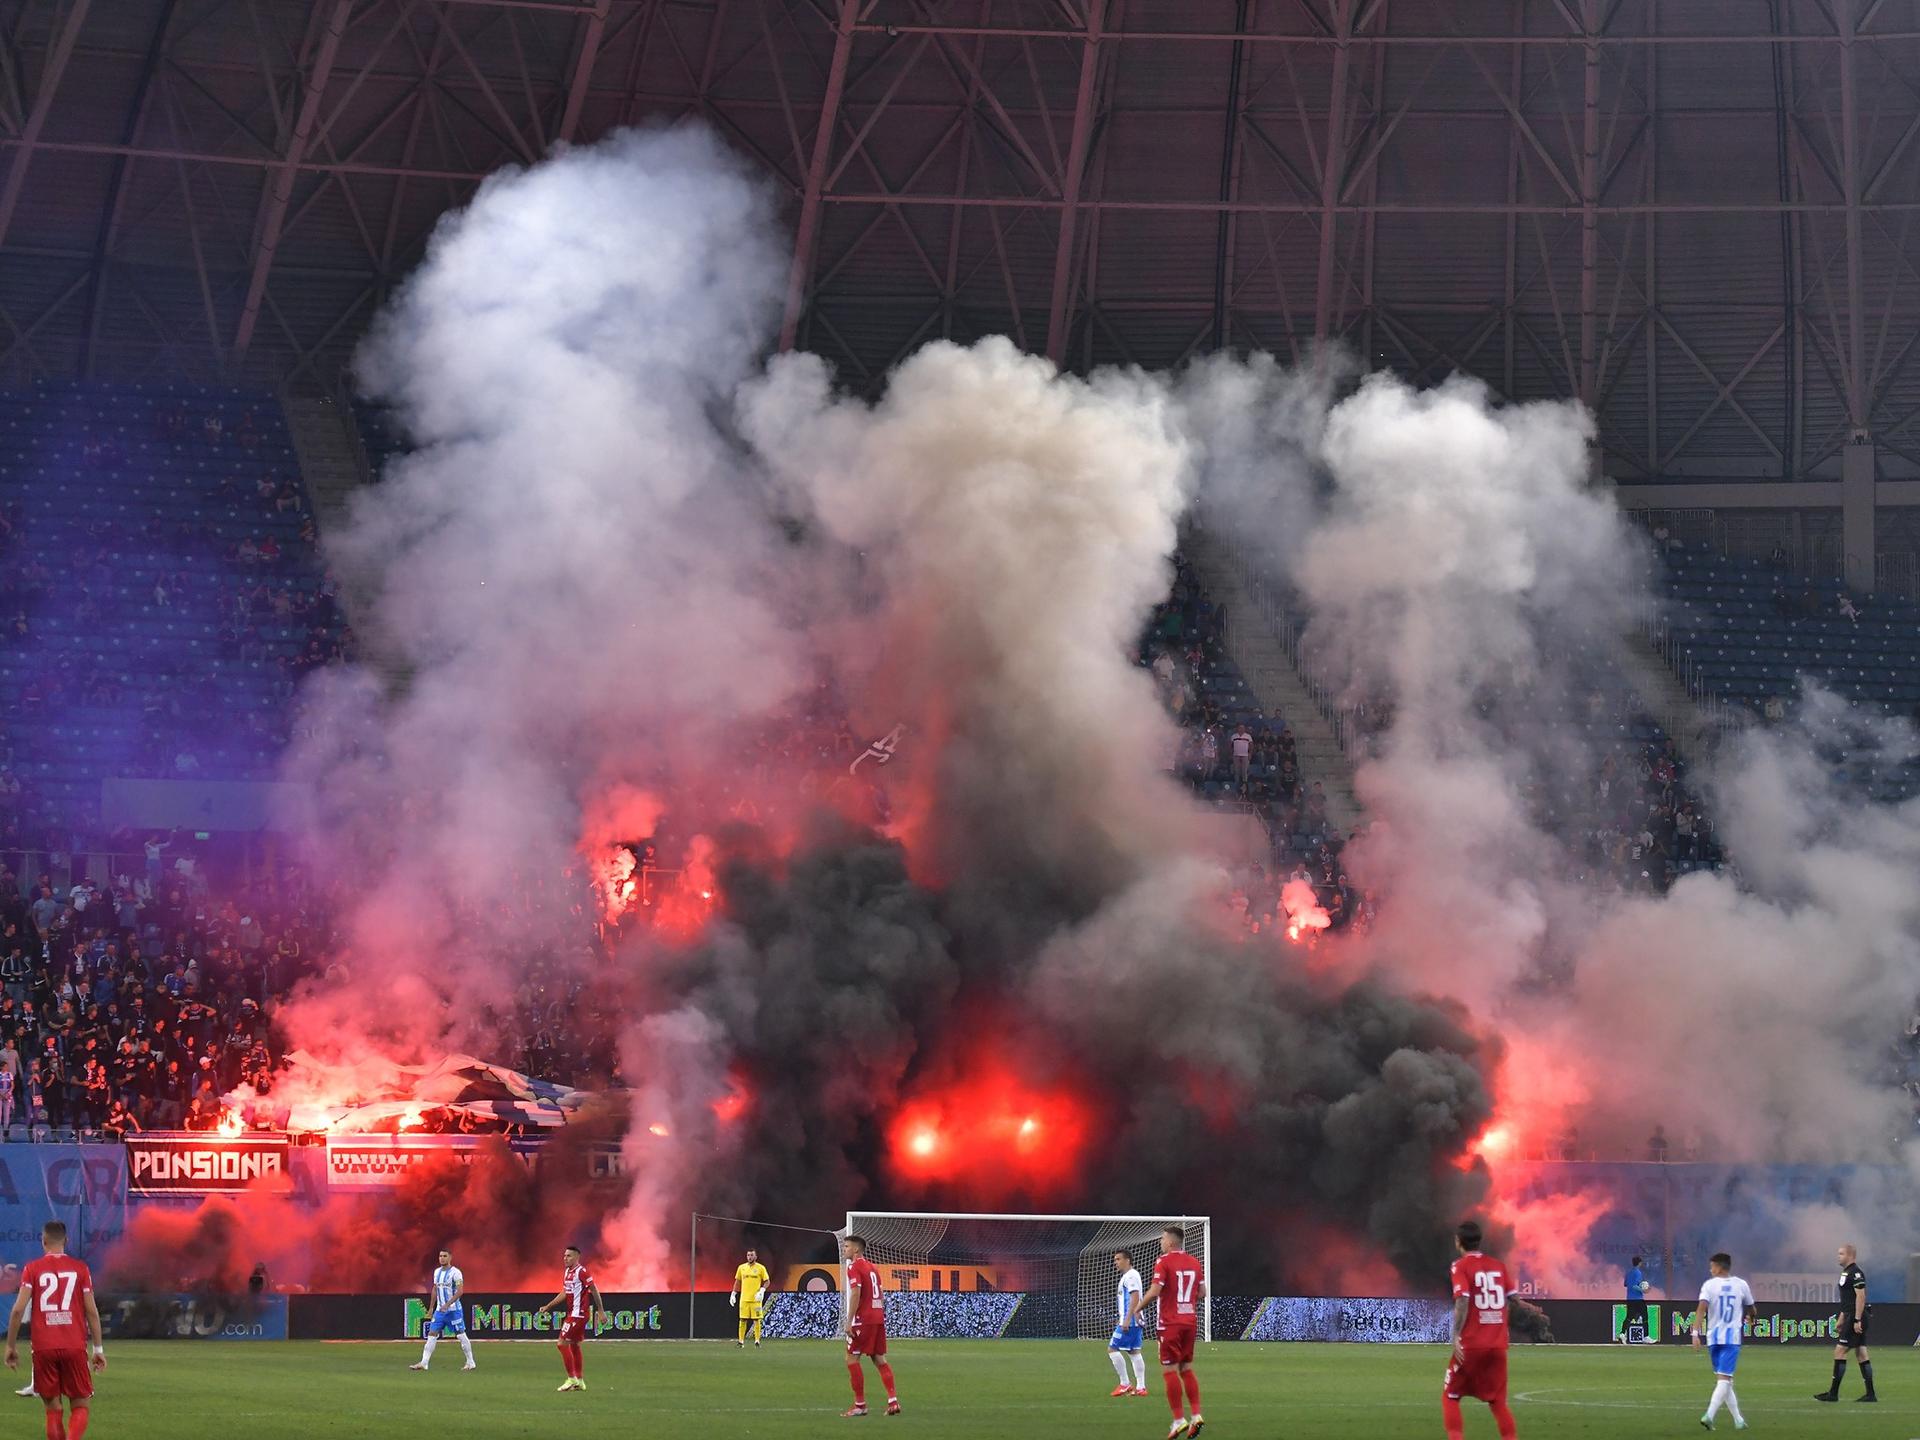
(750, 1286)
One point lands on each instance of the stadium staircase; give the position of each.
(334, 463)
(1661, 695)
(1259, 651)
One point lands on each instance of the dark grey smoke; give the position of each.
(584, 568)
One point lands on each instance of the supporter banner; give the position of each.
(83, 1185)
(166, 1163)
(379, 1162)
(504, 1317)
(199, 804)
(194, 1317)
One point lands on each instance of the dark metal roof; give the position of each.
(1702, 215)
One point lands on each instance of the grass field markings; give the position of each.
(1758, 1398)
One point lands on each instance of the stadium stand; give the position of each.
(1749, 630)
(162, 589)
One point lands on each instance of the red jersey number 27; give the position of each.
(49, 1284)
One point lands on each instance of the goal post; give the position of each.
(805, 1257)
(1056, 1270)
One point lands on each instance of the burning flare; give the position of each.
(1306, 917)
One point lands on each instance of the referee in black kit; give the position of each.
(1852, 1334)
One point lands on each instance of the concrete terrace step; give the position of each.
(333, 467)
(1263, 660)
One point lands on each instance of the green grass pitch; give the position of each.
(951, 1389)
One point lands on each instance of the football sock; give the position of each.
(1451, 1418)
(579, 1361)
(77, 1426)
(1139, 1370)
(1119, 1366)
(756, 1329)
(1866, 1374)
(886, 1377)
(1192, 1382)
(1733, 1403)
(56, 1425)
(1175, 1395)
(743, 1334)
(1839, 1373)
(1503, 1418)
(426, 1352)
(859, 1382)
(1720, 1391)
(466, 1347)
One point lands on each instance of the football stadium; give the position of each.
(1053, 717)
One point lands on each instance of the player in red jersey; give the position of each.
(1478, 1367)
(866, 1328)
(58, 1289)
(1179, 1286)
(581, 1299)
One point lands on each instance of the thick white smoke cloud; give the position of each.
(1464, 577)
(566, 565)
(627, 532)
(1019, 523)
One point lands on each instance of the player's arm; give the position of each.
(854, 1295)
(20, 1303)
(1143, 1299)
(733, 1295)
(459, 1288)
(1860, 1303)
(96, 1332)
(1699, 1322)
(599, 1305)
(554, 1304)
(1459, 1326)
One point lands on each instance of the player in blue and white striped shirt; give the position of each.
(1721, 1321)
(1128, 1333)
(449, 1314)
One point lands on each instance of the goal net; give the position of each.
(1032, 1276)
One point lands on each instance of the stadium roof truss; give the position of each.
(1701, 216)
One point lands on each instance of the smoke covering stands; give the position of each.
(1184, 645)
(381, 434)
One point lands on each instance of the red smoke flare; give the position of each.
(1306, 917)
(504, 1221)
(990, 1133)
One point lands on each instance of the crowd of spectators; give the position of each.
(138, 1004)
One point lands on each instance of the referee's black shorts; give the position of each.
(1851, 1335)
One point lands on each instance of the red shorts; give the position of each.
(1480, 1375)
(1176, 1346)
(61, 1372)
(869, 1338)
(572, 1332)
